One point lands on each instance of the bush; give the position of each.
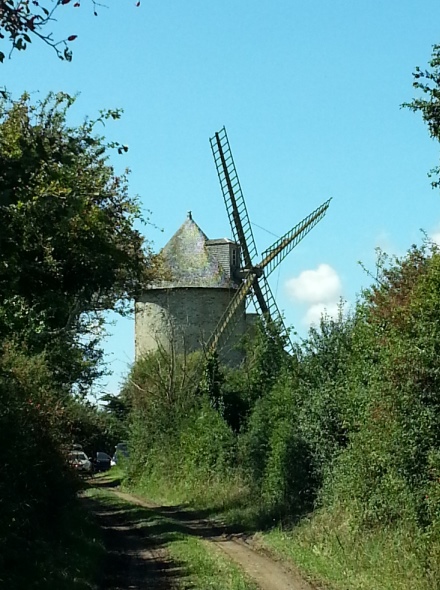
(389, 472)
(36, 488)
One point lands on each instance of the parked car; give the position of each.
(102, 461)
(80, 462)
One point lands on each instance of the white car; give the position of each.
(80, 462)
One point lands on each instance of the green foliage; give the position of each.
(116, 406)
(69, 251)
(265, 358)
(428, 104)
(206, 444)
(160, 391)
(36, 488)
(389, 469)
(329, 404)
(276, 455)
(329, 550)
(234, 392)
(91, 427)
(300, 424)
(177, 433)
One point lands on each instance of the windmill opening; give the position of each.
(235, 258)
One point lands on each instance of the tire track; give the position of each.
(267, 573)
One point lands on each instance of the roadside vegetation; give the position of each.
(337, 452)
(68, 253)
(334, 451)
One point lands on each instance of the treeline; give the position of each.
(68, 253)
(46, 540)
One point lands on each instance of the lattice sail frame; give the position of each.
(254, 285)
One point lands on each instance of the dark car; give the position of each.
(102, 461)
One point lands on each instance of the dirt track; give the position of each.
(137, 561)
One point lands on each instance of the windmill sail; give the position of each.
(281, 248)
(228, 321)
(254, 283)
(274, 314)
(233, 196)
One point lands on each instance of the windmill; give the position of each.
(254, 285)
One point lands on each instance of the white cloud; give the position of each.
(316, 286)
(435, 237)
(319, 289)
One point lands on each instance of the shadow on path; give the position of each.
(136, 556)
(138, 532)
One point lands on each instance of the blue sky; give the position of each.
(310, 94)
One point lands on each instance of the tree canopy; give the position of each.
(69, 250)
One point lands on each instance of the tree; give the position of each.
(22, 21)
(69, 250)
(428, 82)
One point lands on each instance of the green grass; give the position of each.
(206, 568)
(227, 498)
(115, 475)
(330, 552)
(80, 552)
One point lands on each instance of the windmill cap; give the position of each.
(188, 262)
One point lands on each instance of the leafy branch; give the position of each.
(22, 21)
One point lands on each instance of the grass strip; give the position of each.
(206, 568)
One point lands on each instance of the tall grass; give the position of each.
(330, 550)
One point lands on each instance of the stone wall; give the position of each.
(186, 317)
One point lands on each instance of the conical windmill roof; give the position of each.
(187, 261)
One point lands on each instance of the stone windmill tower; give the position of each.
(209, 283)
(184, 310)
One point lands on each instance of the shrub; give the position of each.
(36, 489)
